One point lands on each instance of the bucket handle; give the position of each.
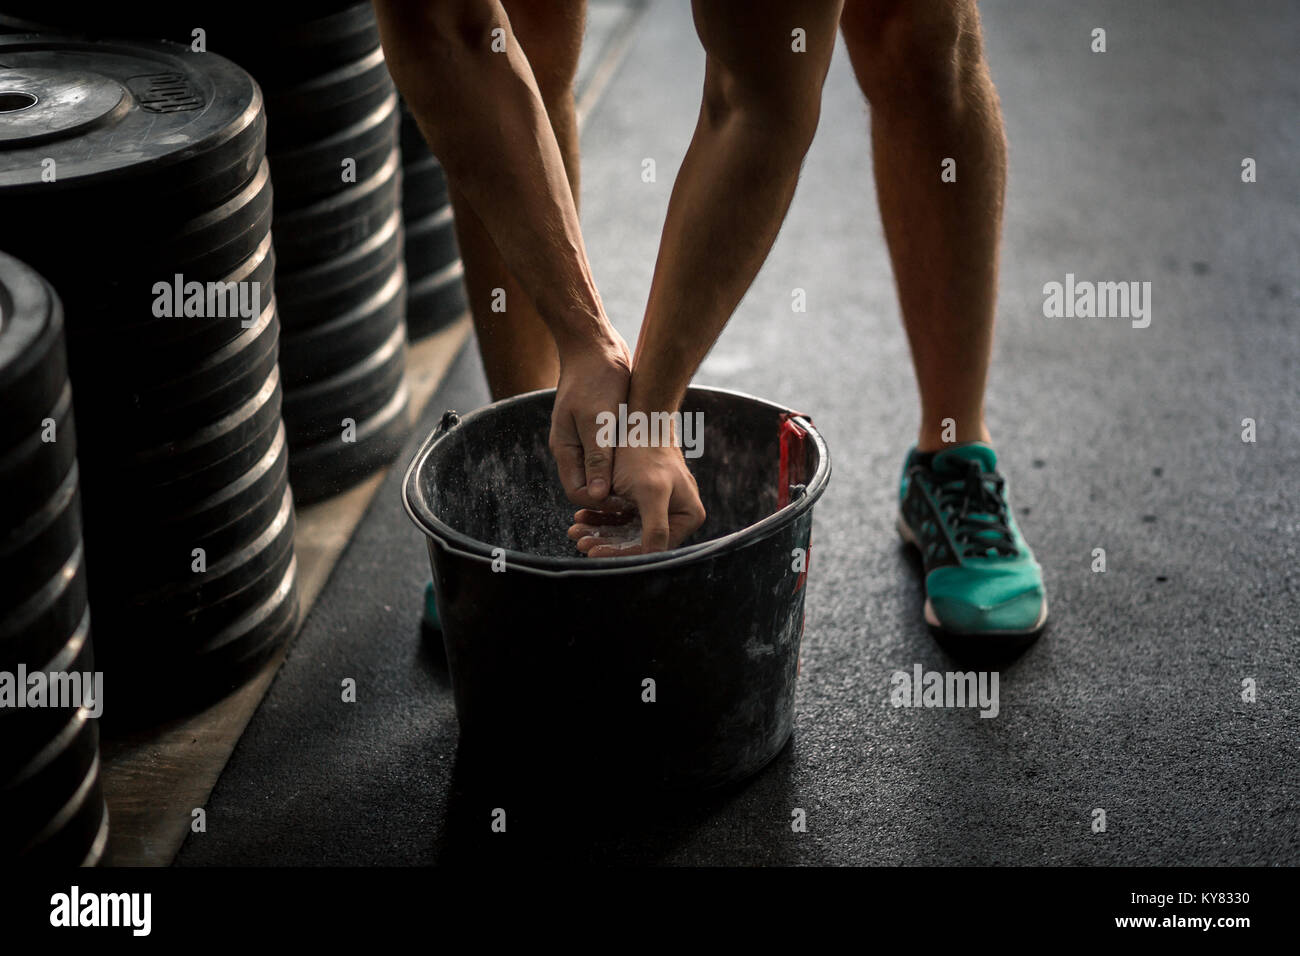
(450, 419)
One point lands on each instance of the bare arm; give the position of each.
(759, 112)
(484, 119)
(472, 91)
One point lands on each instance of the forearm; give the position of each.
(758, 115)
(728, 203)
(486, 122)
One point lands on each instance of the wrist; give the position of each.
(660, 376)
(583, 334)
(647, 393)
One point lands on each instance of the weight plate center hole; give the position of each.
(11, 101)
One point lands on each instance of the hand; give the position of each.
(593, 379)
(655, 506)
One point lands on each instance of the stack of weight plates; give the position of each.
(336, 165)
(433, 269)
(341, 282)
(133, 177)
(50, 800)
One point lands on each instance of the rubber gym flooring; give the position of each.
(1124, 166)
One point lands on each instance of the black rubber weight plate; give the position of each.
(34, 632)
(174, 475)
(330, 227)
(283, 45)
(216, 242)
(324, 291)
(130, 125)
(30, 469)
(33, 365)
(185, 623)
(232, 512)
(184, 440)
(317, 411)
(329, 467)
(37, 548)
(126, 501)
(424, 187)
(333, 100)
(224, 523)
(315, 170)
(79, 832)
(32, 805)
(436, 301)
(237, 652)
(430, 244)
(212, 388)
(193, 675)
(250, 634)
(286, 52)
(142, 344)
(27, 730)
(100, 269)
(186, 603)
(320, 351)
(82, 836)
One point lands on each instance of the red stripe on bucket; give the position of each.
(792, 457)
(790, 473)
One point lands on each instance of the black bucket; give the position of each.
(551, 653)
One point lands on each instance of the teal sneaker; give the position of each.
(981, 579)
(430, 618)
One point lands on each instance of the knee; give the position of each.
(550, 36)
(423, 39)
(909, 51)
(784, 113)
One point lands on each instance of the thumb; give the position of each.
(566, 449)
(597, 462)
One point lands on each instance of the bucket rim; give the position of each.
(421, 514)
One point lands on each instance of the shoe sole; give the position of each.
(932, 619)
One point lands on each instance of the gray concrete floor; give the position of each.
(1124, 166)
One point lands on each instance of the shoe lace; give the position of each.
(975, 505)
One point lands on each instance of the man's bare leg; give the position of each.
(921, 65)
(516, 347)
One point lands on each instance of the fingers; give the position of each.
(607, 515)
(661, 517)
(569, 464)
(652, 503)
(598, 462)
(685, 520)
(610, 543)
(585, 468)
(601, 534)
